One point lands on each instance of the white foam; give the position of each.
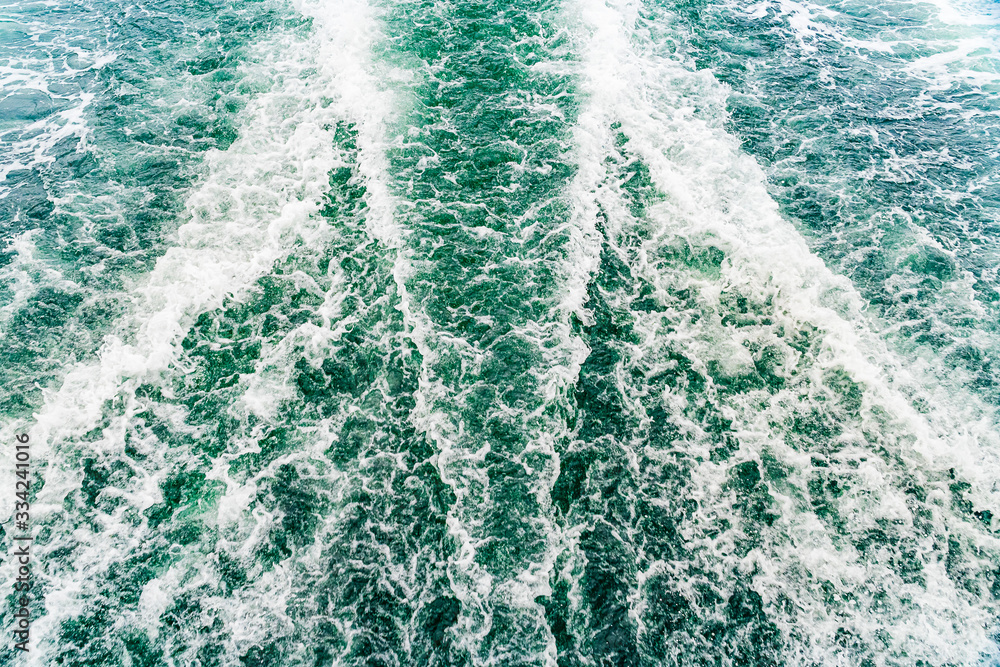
(26, 274)
(258, 200)
(966, 12)
(716, 194)
(255, 204)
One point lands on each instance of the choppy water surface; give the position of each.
(580, 333)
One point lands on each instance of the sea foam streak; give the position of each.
(256, 204)
(484, 343)
(898, 189)
(711, 200)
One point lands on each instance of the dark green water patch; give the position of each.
(482, 161)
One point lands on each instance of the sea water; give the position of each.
(563, 333)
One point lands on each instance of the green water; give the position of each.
(525, 333)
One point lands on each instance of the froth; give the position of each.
(256, 203)
(715, 196)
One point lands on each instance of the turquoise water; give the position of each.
(581, 333)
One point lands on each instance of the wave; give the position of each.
(488, 336)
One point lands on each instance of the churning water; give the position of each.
(579, 333)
